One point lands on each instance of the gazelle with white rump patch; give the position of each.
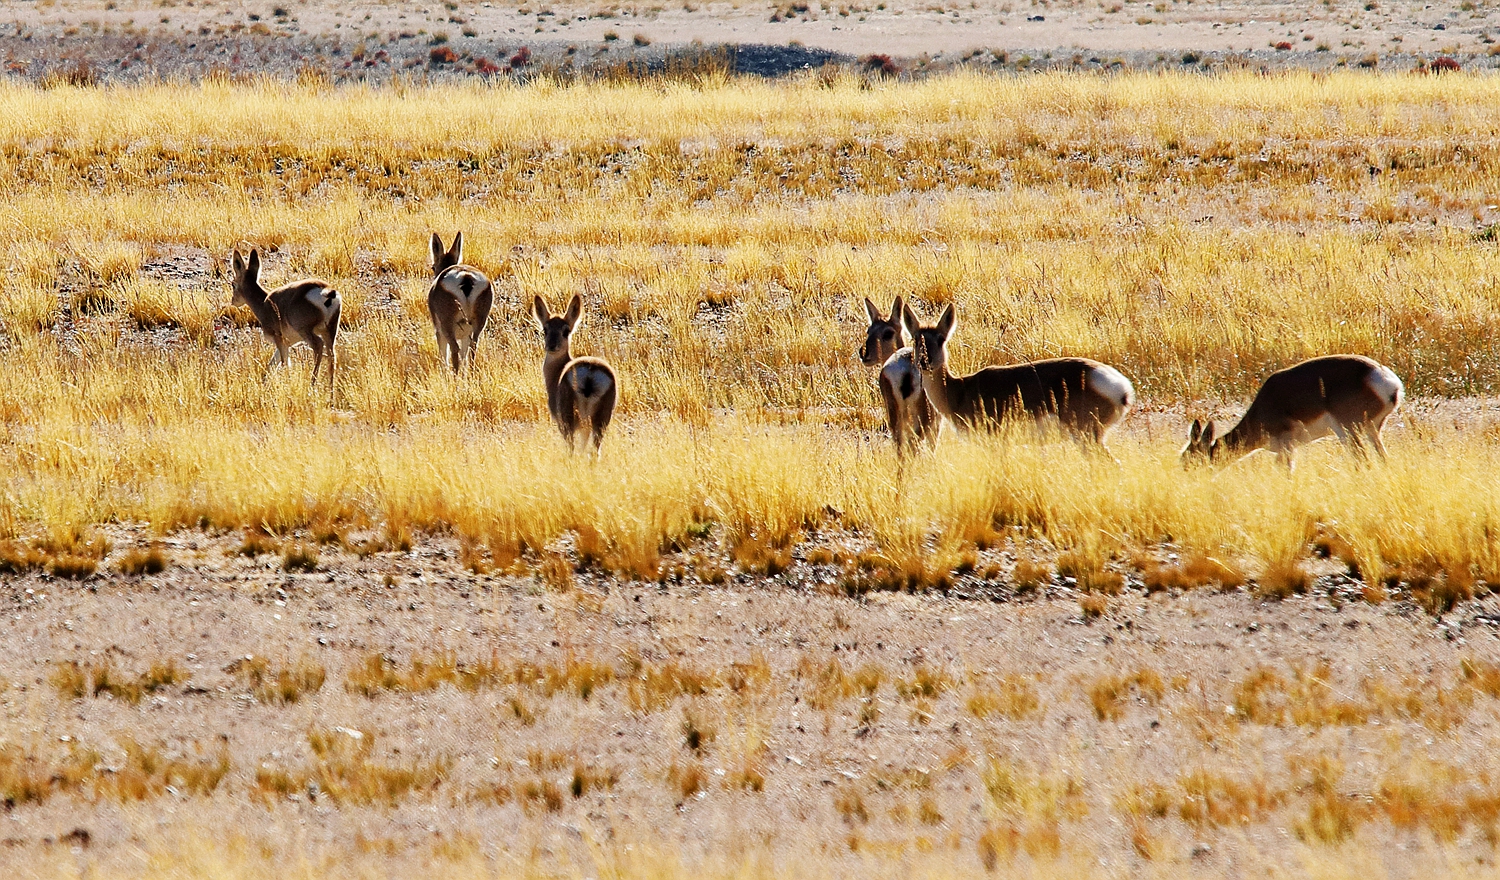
(1086, 398)
(1345, 395)
(459, 302)
(580, 391)
(910, 416)
(306, 311)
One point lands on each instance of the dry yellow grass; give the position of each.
(1197, 232)
(723, 233)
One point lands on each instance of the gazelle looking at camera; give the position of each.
(459, 302)
(580, 391)
(1345, 395)
(910, 416)
(306, 311)
(1086, 398)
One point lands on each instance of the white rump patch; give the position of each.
(1386, 384)
(1111, 384)
(323, 299)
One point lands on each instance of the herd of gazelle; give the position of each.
(1347, 396)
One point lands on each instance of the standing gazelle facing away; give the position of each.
(303, 310)
(459, 302)
(1345, 395)
(580, 391)
(907, 411)
(1086, 397)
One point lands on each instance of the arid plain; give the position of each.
(252, 633)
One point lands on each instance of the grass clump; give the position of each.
(345, 769)
(143, 561)
(1011, 697)
(1109, 693)
(76, 681)
(283, 685)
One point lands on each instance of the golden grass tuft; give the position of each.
(344, 768)
(284, 685)
(1011, 697)
(76, 681)
(152, 559)
(1108, 693)
(650, 687)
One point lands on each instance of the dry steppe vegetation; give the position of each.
(413, 621)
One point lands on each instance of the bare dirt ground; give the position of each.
(897, 766)
(130, 39)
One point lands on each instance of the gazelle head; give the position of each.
(929, 344)
(884, 337)
(445, 259)
(555, 330)
(246, 278)
(1201, 443)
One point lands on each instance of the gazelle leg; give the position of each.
(279, 357)
(316, 345)
(333, 360)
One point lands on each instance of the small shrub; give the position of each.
(687, 779)
(143, 561)
(1030, 576)
(1108, 693)
(285, 685)
(1011, 697)
(697, 733)
(257, 542)
(880, 64)
(1283, 578)
(298, 556)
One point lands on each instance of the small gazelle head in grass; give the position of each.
(246, 278)
(884, 337)
(930, 342)
(557, 330)
(1200, 445)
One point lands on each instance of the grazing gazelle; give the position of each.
(1086, 397)
(906, 408)
(303, 310)
(459, 302)
(580, 391)
(1345, 395)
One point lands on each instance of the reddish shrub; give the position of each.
(1283, 46)
(521, 58)
(1444, 64)
(442, 55)
(486, 66)
(881, 64)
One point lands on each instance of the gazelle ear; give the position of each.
(539, 308)
(456, 253)
(896, 311)
(237, 263)
(437, 250)
(872, 312)
(946, 323)
(910, 319)
(575, 310)
(1195, 431)
(252, 268)
(1209, 434)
